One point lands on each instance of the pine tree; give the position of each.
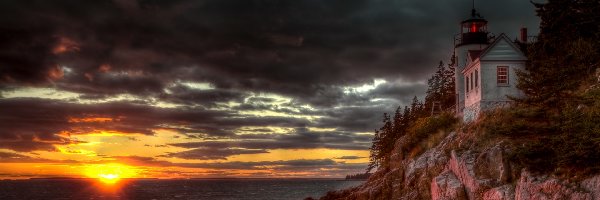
(387, 138)
(374, 152)
(381, 144)
(416, 109)
(435, 89)
(441, 87)
(449, 88)
(564, 56)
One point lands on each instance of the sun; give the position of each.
(108, 178)
(110, 173)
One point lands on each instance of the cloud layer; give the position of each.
(232, 77)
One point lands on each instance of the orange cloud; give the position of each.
(104, 68)
(65, 45)
(55, 73)
(90, 119)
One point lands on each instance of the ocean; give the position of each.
(149, 189)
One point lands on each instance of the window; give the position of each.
(467, 80)
(502, 75)
(471, 80)
(476, 78)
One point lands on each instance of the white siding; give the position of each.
(494, 92)
(462, 61)
(489, 94)
(502, 50)
(474, 94)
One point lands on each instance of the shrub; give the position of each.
(515, 122)
(428, 127)
(567, 144)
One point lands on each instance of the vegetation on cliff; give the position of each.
(415, 123)
(556, 127)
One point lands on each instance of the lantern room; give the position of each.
(473, 30)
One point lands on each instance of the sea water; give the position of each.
(148, 189)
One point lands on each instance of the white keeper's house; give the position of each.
(485, 67)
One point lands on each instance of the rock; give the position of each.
(542, 187)
(421, 170)
(376, 192)
(411, 195)
(471, 175)
(592, 185)
(447, 187)
(362, 194)
(397, 156)
(493, 164)
(505, 192)
(391, 180)
(463, 167)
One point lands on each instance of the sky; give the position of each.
(216, 88)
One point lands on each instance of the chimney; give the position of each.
(524, 35)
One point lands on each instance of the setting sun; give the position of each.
(110, 173)
(109, 178)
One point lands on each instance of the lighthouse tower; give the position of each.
(471, 41)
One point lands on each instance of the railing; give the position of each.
(532, 39)
(473, 38)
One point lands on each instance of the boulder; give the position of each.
(463, 167)
(447, 187)
(544, 187)
(505, 192)
(592, 185)
(421, 170)
(493, 164)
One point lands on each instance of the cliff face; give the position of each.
(449, 172)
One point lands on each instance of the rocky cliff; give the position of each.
(451, 171)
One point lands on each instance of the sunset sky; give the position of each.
(216, 88)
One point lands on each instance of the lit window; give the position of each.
(502, 75)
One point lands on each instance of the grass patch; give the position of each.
(427, 132)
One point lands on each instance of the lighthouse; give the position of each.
(485, 68)
(471, 40)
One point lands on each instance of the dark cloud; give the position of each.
(303, 165)
(182, 94)
(363, 119)
(349, 157)
(35, 124)
(213, 153)
(298, 139)
(298, 48)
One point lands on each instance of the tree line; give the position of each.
(441, 91)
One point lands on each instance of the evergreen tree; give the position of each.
(374, 152)
(441, 87)
(449, 87)
(380, 147)
(435, 84)
(564, 56)
(416, 109)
